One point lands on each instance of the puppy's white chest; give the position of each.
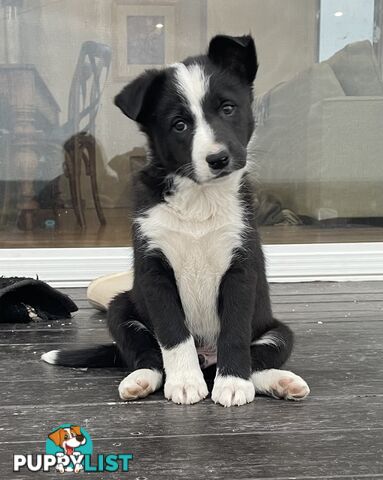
(199, 246)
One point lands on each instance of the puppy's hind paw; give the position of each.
(280, 384)
(140, 384)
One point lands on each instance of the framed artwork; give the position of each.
(143, 37)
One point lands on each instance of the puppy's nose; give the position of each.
(80, 437)
(219, 160)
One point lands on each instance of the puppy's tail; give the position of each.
(100, 356)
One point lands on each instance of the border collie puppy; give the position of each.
(200, 295)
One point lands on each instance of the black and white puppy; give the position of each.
(200, 294)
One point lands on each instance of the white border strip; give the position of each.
(325, 262)
(69, 267)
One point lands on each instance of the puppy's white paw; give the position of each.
(229, 390)
(186, 389)
(280, 384)
(140, 384)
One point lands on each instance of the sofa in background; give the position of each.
(318, 142)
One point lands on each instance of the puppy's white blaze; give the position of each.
(50, 357)
(270, 339)
(193, 85)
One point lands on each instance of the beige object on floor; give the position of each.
(102, 290)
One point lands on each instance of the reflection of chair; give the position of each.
(77, 135)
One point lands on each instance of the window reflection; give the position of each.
(67, 158)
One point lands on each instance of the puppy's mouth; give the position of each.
(223, 173)
(232, 168)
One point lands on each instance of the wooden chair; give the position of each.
(77, 135)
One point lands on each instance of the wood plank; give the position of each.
(339, 297)
(302, 305)
(293, 312)
(318, 334)
(60, 385)
(152, 418)
(331, 307)
(292, 289)
(80, 320)
(236, 456)
(326, 288)
(375, 299)
(84, 321)
(69, 337)
(333, 361)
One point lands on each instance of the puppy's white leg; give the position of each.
(280, 384)
(230, 390)
(140, 384)
(184, 378)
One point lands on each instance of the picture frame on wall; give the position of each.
(143, 38)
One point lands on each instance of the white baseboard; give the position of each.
(69, 267)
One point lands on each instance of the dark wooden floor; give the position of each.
(336, 433)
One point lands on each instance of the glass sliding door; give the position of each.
(68, 157)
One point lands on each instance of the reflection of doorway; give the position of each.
(342, 22)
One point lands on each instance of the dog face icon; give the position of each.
(68, 438)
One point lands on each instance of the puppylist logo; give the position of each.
(69, 448)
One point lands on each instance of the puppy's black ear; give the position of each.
(133, 99)
(235, 53)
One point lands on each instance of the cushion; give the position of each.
(357, 70)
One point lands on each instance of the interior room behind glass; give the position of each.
(68, 157)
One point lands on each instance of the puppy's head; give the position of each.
(68, 438)
(197, 114)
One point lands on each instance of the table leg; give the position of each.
(26, 159)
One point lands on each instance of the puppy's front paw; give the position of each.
(186, 389)
(231, 390)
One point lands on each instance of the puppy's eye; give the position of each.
(66, 436)
(228, 109)
(180, 126)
